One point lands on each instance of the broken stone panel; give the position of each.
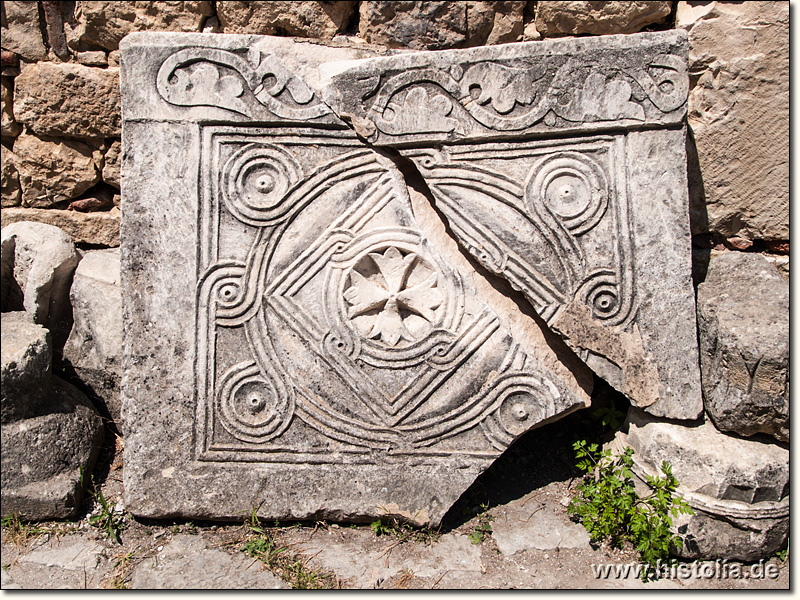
(560, 166)
(299, 339)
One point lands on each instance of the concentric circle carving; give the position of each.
(601, 293)
(250, 406)
(255, 181)
(572, 187)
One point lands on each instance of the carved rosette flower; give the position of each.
(393, 296)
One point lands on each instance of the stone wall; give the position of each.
(61, 117)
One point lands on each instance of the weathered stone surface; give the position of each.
(92, 58)
(557, 17)
(572, 223)
(94, 346)
(26, 362)
(302, 19)
(743, 320)
(111, 164)
(8, 126)
(45, 457)
(105, 23)
(521, 528)
(41, 260)
(52, 170)
(739, 112)
(10, 194)
(68, 100)
(187, 563)
(20, 30)
(438, 25)
(96, 228)
(739, 488)
(341, 363)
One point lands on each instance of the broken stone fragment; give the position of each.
(8, 126)
(21, 31)
(9, 179)
(302, 19)
(593, 229)
(743, 322)
(96, 228)
(347, 358)
(738, 488)
(94, 346)
(26, 363)
(111, 164)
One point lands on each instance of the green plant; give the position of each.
(610, 509)
(484, 527)
(20, 531)
(106, 521)
(403, 531)
(783, 553)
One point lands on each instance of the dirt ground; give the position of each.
(509, 530)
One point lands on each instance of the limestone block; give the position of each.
(94, 346)
(738, 488)
(96, 228)
(557, 17)
(26, 362)
(41, 260)
(105, 23)
(52, 170)
(743, 320)
(739, 112)
(68, 100)
(8, 126)
(45, 458)
(10, 194)
(414, 25)
(302, 19)
(20, 30)
(111, 164)
(593, 229)
(92, 58)
(345, 363)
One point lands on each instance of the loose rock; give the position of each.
(743, 320)
(21, 32)
(68, 100)
(94, 346)
(26, 363)
(302, 19)
(739, 112)
(111, 164)
(38, 263)
(557, 17)
(52, 170)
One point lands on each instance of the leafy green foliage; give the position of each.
(404, 532)
(106, 521)
(484, 527)
(610, 509)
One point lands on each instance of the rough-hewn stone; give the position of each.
(342, 363)
(105, 23)
(10, 193)
(302, 19)
(96, 228)
(94, 346)
(20, 30)
(738, 488)
(594, 235)
(45, 458)
(8, 126)
(558, 17)
(92, 58)
(743, 320)
(111, 164)
(26, 362)
(414, 25)
(494, 22)
(41, 259)
(68, 100)
(52, 170)
(739, 112)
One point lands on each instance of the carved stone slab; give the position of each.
(576, 193)
(299, 338)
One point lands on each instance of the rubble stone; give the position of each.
(10, 194)
(21, 32)
(94, 346)
(111, 164)
(105, 23)
(68, 100)
(53, 170)
(743, 322)
(558, 17)
(302, 19)
(96, 228)
(26, 363)
(38, 263)
(8, 126)
(739, 113)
